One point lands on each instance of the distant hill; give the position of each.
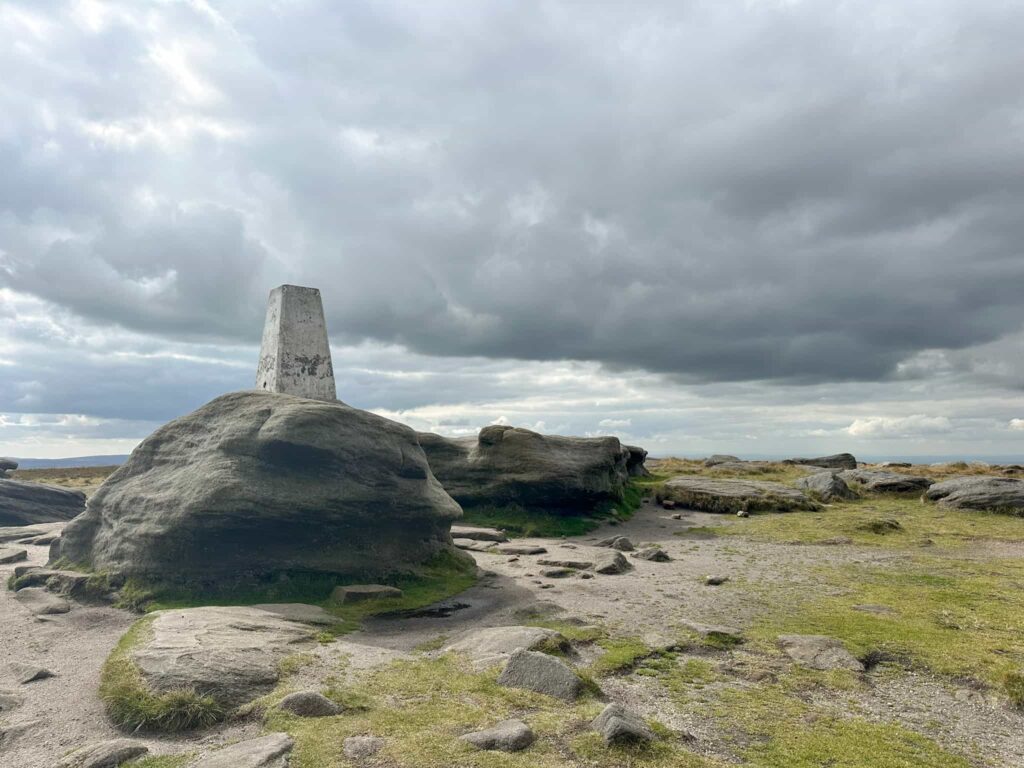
(73, 461)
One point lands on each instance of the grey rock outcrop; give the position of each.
(720, 458)
(1000, 494)
(505, 465)
(827, 486)
(635, 466)
(619, 725)
(653, 554)
(492, 645)
(271, 751)
(40, 602)
(12, 555)
(361, 747)
(309, 704)
(253, 485)
(819, 652)
(23, 533)
(229, 653)
(541, 673)
(620, 543)
(835, 461)
(478, 533)
(7, 465)
(877, 481)
(30, 503)
(506, 736)
(611, 563)
(105, 754)
(729, 496)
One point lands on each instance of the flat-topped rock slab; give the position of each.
(729, 496)
(999, 494)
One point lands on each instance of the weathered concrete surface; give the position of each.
(295, 357)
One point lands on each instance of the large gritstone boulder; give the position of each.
(998, 494)
(506, 465)
(878, 481)
(717, 495)
(836, 461)
(635, 461)
(256, 485)
(30, 503)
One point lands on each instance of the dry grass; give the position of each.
(86, 479)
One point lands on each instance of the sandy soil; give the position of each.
(652, 600)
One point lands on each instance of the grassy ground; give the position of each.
(86, 479)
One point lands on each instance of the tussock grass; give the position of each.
(133, 706)
(621, 654)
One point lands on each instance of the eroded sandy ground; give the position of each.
(651, 601)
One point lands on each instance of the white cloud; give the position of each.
(615, 423)
(1017, 424)
(899, 426)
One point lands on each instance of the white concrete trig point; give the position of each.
(295, 357)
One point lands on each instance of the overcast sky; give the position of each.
(763, 227)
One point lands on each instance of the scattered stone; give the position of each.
(478, 533)
(566, 562)
(506, 736)
(653, 554)
(61, 582)
(506, 465)
(27, 673)
(557, 573)
(611, 564)
(742, 513)
(1000, 494)
(836, 461)
(715, 581)
(677, 516)
(881, 526)
(492, 645)
(12, 555)
(105, 754)
(668, 504)
(230, 653)
(726, 495)
(362, 747)
(541, 673)
(278, 483)
(473, 545)
(620, 543)
(358, 593)
(271, 751)
(719, 458)
(827, 486)
(878, 481)
(40, 602)
(585, 575)
(547, 586)
(819, 652)
(619, 725)
(24, 503)
(717, 634)
(309, 704)
(521, 549)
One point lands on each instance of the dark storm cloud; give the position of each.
(803, 192)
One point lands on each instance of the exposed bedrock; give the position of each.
(507, 465)
(254, 484)
(30, 503)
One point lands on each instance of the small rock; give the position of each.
(819, 652)
(362, 747)
(714, 581)
(547, 586)
(653, 554)
(521, 549)
(580, 565)
(507, 736)
(104, 754)
(881, 526)
(541, 673)
(12, 555)
(478, 532)
(473, 545)
(677, 516)
(717, 634)
(742, 513)
(27, 673)
(619, 725)
(668, 504)
(271, 751)
(585, 575)
(40, 602)
(612, 563)
(620, 543)
(557, 573)
(309, 704)
(492, 645)
(357, 593)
